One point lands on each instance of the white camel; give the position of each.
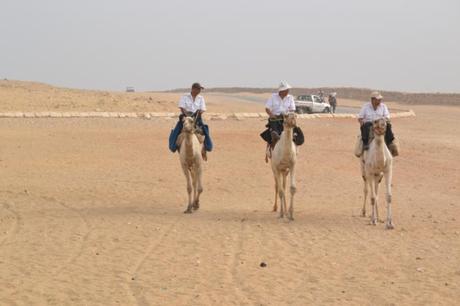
(283, 160)
(377, 163)
(191, 162)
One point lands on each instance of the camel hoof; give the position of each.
(363, 214)
(291, 218)
(373, 222)
(196, 205)
(188, 211)
(389, 226)
(274, 209)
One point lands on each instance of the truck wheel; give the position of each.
(327, 110)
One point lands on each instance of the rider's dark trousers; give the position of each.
(366, 129)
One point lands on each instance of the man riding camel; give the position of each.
(277, 105)
(372, 111)
(192, 105)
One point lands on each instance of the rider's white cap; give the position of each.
(284, 86)
(376, 95)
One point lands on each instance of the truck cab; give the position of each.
(311, 104)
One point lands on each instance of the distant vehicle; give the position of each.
(130, 89)
(311, 104)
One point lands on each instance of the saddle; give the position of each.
(359, 147)
(273, 137)
(198, 133)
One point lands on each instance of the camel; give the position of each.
(283, 160)
(191, 161)
(376, 163)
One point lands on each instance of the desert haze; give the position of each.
(92, 209)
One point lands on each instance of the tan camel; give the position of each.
(191, 161)
(377, 163)
(283, 160)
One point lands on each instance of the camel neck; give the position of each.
(287, 137)
(189, 144)
(379, 149)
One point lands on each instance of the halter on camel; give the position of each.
(298, 136)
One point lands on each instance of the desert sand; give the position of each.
(91, 210)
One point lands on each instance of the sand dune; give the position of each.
(32, 96)
(91, 213)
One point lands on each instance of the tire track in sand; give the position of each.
(84, 239)
(235, 261)
(153, 247)
(352, 231)
(244, 292)
(14, 229)
(72, 258)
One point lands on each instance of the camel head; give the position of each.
(189, 124)
(290, 120)
(379, 126)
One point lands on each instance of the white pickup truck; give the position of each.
(311, 104)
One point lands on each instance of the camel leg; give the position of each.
(275, 206)
(267, 153)
(293, 189)
(189, 189)
(377, 184)
(279, 186)
(365, 191)
(284, 176)
(373, 200)
(388, 177)
(282, 199)
(199, 188)
(193, 173)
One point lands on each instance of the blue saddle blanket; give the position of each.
(176, 131)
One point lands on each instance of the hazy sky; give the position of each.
(411, 45)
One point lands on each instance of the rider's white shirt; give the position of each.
(368, 113)
(186, 102)
(280, 106)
